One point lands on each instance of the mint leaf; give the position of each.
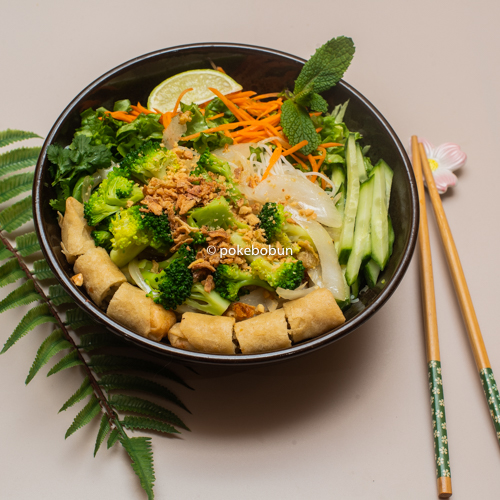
(326, 67)
(317, 103)
(298, 126)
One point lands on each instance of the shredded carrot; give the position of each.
(226, 126)
(298, 146)
(330, 144)
(317, 113)
(122, 116)
(274, 158)
(220, 115)
(158, 111)
(319, 129)
(166, 118)
(239, 94)
(219, 68)
(181, 95)
(298, 160)
(265, 96)
(239, 113)
(144, 110)
(135, 113)
(317, 166)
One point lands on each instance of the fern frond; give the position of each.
(15, 184)
(98, 340)
(41, 270)
(27, 244)
(83, 391)
(16, 215)
(58, 295)
(139, 450)
(22, 296)
(85, 416)
(113, 438)
(132, 422)
(10, 136)
(104, 429)
(36, 316)
(17, 159)
(102, 363)
(5, 253)
(53, 344)
(76, 318)
(70, 360)
(115, 381)
(141, 406)
(10, 272)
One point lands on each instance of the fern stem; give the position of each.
(103, 402)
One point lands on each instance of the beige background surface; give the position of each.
(351, 421)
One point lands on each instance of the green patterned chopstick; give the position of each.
(440, 431)
(464, 299)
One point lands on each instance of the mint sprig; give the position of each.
(323, 70)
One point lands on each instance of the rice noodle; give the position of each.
(136, 275)
(299, 292)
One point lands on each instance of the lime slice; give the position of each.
(164, 96)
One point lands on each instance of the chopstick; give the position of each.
(432, 338)
(468, 313)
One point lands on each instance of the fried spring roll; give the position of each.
(75, 232)
(312, 315)
(132, 308)
(263, 333)
(204, 333)
(101, 277)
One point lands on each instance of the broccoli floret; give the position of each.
(186, 253)
(272, 218)
(173, 284)
(159, 227)
(150, 160)
(114, 193)
(198, 238)
(211, 303)
(230, 278)
(216, 214)
(102, 239)
(133, 231)
(287, 275)
(211, 163)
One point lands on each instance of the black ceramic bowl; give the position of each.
(262, 70)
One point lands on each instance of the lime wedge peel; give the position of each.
(164, 96)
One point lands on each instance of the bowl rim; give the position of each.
(198, 357)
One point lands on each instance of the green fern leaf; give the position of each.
(132, 422)
(41, 270)
(9, 136)
(70, 360)
(36, 316)
(139, 450)
(85, 416)
(76, 318)
(83, 391)
(104, 429)
(22, 296)
(144, 407)
(117, 381)
(16, 215)
(10, 272)
(18, 159)
(113, 438)
(99, 340)
(53, 344)
(5, 253)
(58, 295)
(15, 184)
(102, 363)
(27, 244)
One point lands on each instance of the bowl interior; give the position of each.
(262, 70)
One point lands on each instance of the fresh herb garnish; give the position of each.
(323, 70)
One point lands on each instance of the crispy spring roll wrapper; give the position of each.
(204, 333)
(130, 307)
(312, 315)
(75, 232)
(263, 333)
(101, 277)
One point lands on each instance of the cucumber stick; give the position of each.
(379, 218)
(338, 177)
(361, 249)
(389, 174)
(363, 176)
(371, 270)
(352, 198)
